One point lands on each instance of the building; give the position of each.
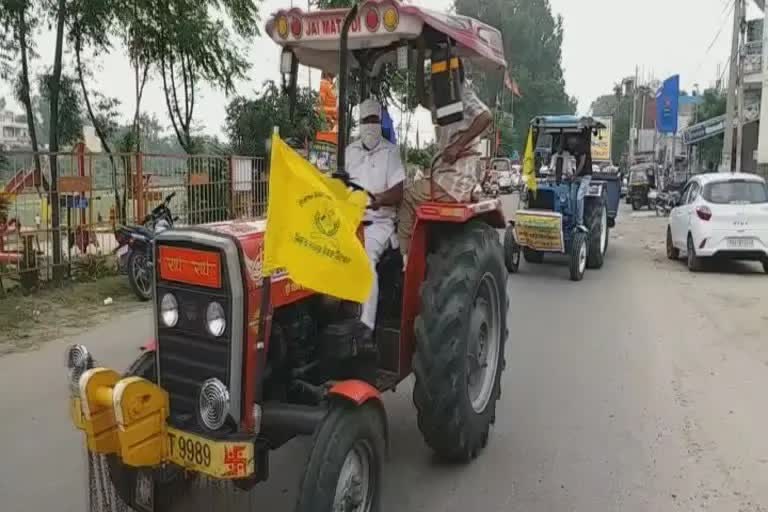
(14, 133)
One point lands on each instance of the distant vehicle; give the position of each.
(720, 215)
(624, 188)
(503, 169)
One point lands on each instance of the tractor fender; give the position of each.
(359, 393)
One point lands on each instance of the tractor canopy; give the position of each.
(315, 36)
(566, 124)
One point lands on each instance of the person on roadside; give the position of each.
(455, 171)
(374, 164)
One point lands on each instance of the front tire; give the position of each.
(345, 466)
(765, 265)
(511, 250)
(140, 275)
(636, 204)
(598, 237)
(460, 336)
(577, 263)
(673, 253)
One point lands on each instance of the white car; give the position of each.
(723, 215)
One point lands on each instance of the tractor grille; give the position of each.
(187, 354)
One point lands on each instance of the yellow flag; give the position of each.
(312, 223)
(529, 163)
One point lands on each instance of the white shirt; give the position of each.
(377, 171)
(569, 163)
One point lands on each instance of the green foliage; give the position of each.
(533, 39)
(423, 156)
(249, 122)
(91, 267)
(70, 109)
(710, 150)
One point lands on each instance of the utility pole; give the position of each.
(633, 126)
(740, 90)
(730, 107)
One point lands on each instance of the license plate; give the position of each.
(122, 251)
(741, 243)
(219, 459)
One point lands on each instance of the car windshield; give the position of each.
(743, 191)
(501, 165)
(638, 178)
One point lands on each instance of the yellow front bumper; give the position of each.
(128, 417)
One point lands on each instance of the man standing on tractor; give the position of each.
(374, 164)
(455, 166)
(583, 173)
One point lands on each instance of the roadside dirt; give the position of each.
(28, 321)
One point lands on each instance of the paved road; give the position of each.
(641, 388)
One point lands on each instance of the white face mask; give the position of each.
(370, 135)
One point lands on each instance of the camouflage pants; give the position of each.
(413, 196)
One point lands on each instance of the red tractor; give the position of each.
(242, 363)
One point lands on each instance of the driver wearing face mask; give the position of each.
(374, 163)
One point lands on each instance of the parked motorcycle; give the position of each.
(134, 247)
(665, 202)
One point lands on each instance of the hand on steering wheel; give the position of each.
(355, 186)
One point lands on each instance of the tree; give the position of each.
(17, 23)
(195, 47)
(249, 122)
(70, 118)
(422, 156)
(533, 39)
(713, 105)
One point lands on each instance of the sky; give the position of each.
(604, 41)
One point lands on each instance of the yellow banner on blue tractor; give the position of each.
(541, 231)
(312, 223)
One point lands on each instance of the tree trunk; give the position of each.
(25, 96)
(54, 141)
(119, 211)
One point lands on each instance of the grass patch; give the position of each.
(53, 312)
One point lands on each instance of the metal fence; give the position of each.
(97, 192)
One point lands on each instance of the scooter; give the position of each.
(134, 247)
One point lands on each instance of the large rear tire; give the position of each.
(460, 336)
(345, 466)
(167, 484)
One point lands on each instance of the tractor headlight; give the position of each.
(213, 404)
(169, 310)
(78, 361)
(215, 319)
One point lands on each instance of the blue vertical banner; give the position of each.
(667, 105)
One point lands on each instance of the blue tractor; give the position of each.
(547, 220)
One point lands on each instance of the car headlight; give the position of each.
(169, 310)
(215, 319)
(213, 404)
(78, 361)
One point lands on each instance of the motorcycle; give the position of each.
(665, 202)
(134, 247)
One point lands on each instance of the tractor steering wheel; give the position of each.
(344, 177)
